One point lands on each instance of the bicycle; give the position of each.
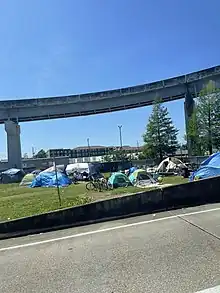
(104, 184)
(93, 185)
(97, 185)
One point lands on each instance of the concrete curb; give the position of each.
(195, 193)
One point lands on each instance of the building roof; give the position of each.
(91, 147)
(125, 147)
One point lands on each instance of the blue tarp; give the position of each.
(132, 169)
(48, 179)
(208, 168)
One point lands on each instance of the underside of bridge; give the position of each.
(14, 142)
(185, 86)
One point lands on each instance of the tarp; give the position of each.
(118, 180)
(49, 180)
(132, 169)
(208, 168)
(27, 180)
(141, 175)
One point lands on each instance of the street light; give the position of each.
(88, 148)
(120, 135)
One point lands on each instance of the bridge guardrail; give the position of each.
(39, 102)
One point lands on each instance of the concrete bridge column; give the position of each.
(189, 108)
(13, 144)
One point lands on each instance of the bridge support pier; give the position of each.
(189, 108)
(13, 144)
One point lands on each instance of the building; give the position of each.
(90, 153)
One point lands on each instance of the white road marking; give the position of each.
(211, 290)
(106, 229)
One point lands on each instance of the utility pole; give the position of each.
(120, 135)
(33, 151)
(57, 183)
(88, 148)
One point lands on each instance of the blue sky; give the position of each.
(66, 47)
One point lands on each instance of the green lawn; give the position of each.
(16, 201)
(175, 180)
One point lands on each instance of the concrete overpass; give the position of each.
(14, 111)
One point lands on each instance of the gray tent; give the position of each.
(12, 175)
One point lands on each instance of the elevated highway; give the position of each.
(24, 110)
(14, 111)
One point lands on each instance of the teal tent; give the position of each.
(118, 180)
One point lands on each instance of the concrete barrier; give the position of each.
(195, 193)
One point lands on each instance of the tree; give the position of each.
(25, 156)
(41, 154)
(204, 125)
(160, 137)
(193, 135)
(141, 156)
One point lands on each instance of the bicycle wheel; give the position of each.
(105, 186)
(90, 186)
(110, 186)
(99, 186)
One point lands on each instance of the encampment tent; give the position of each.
(170, 164)
(89, 168)
(118, 180)
(60, 168)
(12, 175)
(48, 179)
(141, 175)
(36, 172)
(208, 168)
(79, 167)
(27, 180)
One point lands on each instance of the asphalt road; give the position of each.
(165, 252)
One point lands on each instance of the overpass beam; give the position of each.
(189, 108)
(13, 144)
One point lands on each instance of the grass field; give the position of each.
(16, 201)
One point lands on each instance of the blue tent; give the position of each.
(48, 179)
(208, 168)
